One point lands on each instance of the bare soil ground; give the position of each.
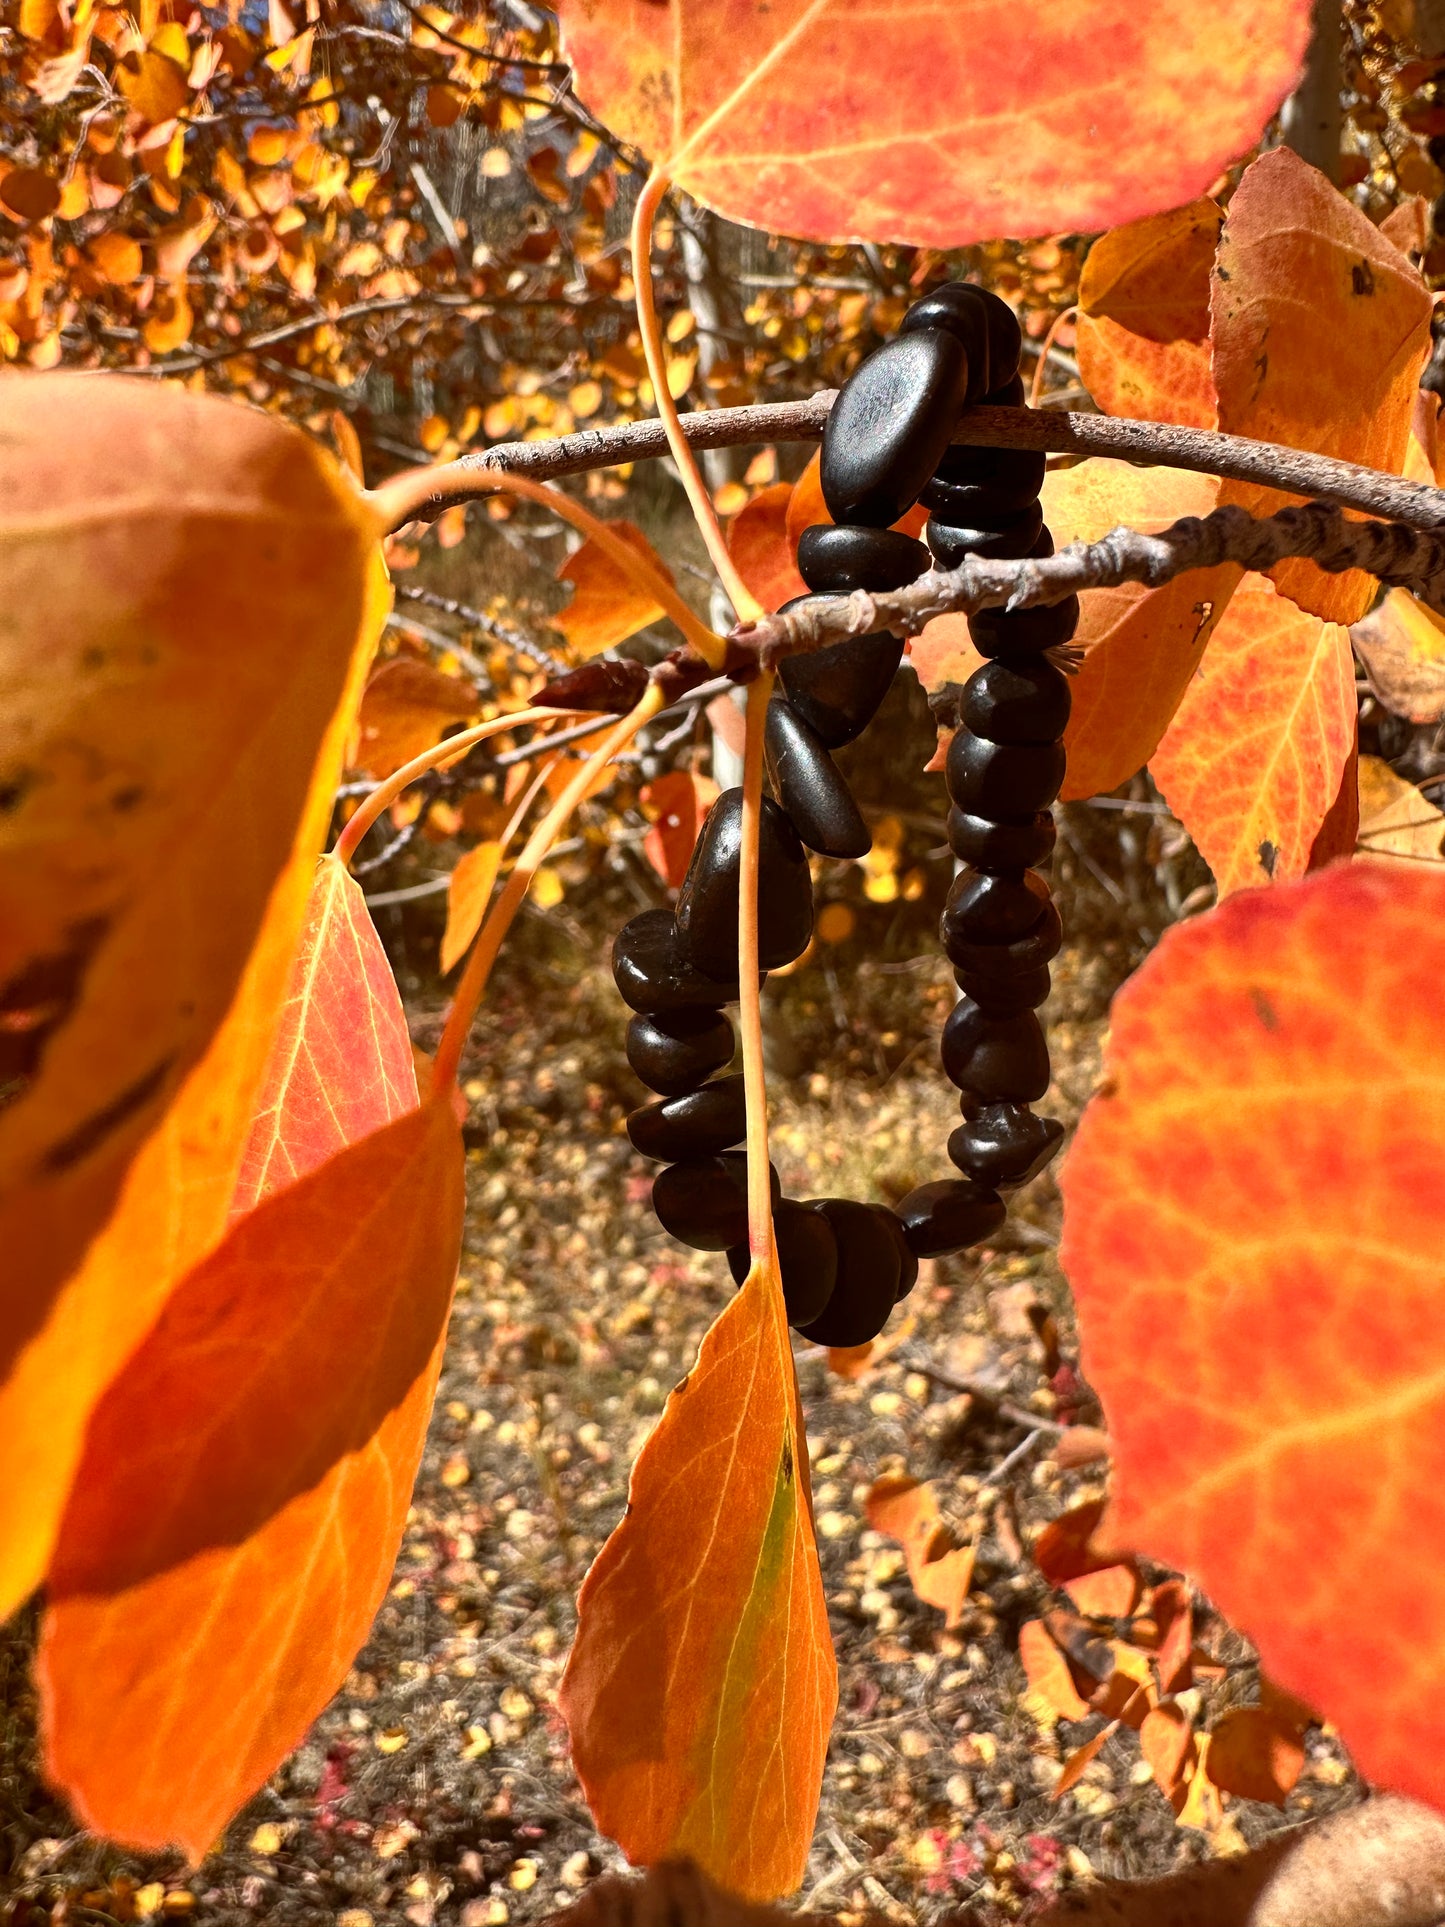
(436, 1788)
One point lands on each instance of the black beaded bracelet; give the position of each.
(888, 443)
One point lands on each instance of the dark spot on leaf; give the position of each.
(15, 789)
(1264, 1010)
(1223, 273)
(1268, 857)
(36, 1001)
(1362, 278)
(127, 798)
(787, 1461)
(98, 1127)
(93, 657)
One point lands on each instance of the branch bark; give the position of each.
(1055, 430)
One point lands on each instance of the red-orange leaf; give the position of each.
(1253, 1230)
(939, 1569)
(1256, 1752)
(405, 710)
(758, 544)
(607, 606)
(469, 891)
(1143, 321)
(1048, 1672)
(341, 1064)
(1321, 328)
(701, 1685)
(1142, 645)
(1252, 762)
(676, 809)
(244, 1486)
(827, 119)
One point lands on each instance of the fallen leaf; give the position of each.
(1398, 824)
(1251, 763)
(1402, 646)
(1201, 1805)
(341, 1064)
(1048, 1672)
(1252, 1229)
(1256, 1753)
(1166, 1740)
(1082, 1757)
(245, 1482)
(406, 709)
(607, 606)
(701, 1684)
(1320, 330)
(1065, 1549)
(171, 764)
(469, 891)
(30, 193)
(1109, 1593)
(1078, 1446)
(758, 543)
(939, 1570)
(1142, 645)
(1143, 317)
(806, 119)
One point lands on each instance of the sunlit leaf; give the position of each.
(244, 1486)
(469, 890)
(180, 640)
(1253, 759)
(1257, 1752)
(1320, 330)
(701, 1685)
(607, 606)
(1397, 822)
(1402, 645)
(1252, 1229)
(758, 543)
(406, 709)
(939, 1570)
(813, 117)
(1143, 322)
(676, 808)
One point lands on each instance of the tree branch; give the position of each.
(1056, 430)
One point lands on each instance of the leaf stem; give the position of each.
(503, 912)
(704, 514)
(750, 1015)
(439, 756)
(401, 498)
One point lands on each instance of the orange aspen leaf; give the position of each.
(172, 766)
(939, 1570)
(1141, 645)
(676, 810)
(1109, 1593)
(341, 1063)
(701, 1685)
(1338, 834)
(1320, 330)
(245, 1482)
(469, 891)
(1048, 1672)
(1257, 1753)
(1402, 645)
(807, 507)
(757, 539)
(1202, 1805)
(607, 606)
(1252, 1228)
(1065, 1548)
(406, 708)
(805, 119)
(1166, 1739)
(1143, 317)
(1252, 762)
(943, 652)
(1082, 1757)
(1398, 824)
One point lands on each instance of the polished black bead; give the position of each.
(807, 1259)
(950, 1215)
(870, 1272)
(1006, 394)
(1004, 960)
(1015, 991)
(1018, 536)
(833, 560)
(1017, 699)
(711, 1118)
(1002, 780)
(1002, 471)
(995, 1057)
(991, 845)
(837, 691)
(673, 1053)
(1004, 1144)
(893, 418)
(995, 632)
(707, 903)
(907, 1256)
(962, 306)
(810, 787)
(654, 976)
(986, 907)
(703, 1202)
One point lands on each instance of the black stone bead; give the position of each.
(996, 632)
(1004, 960)
(1000, 847)
(703, 1202)
(1000, 996)
(893, 418)
(653, 975)
(810, 787)
(807, 1260)
(675, 1053)
(962, 307)
(1017, 699)
(1006, 394)
(950, 1215)
(833, 560)
(907, 1256)
(707, 904)
(870, 1272)
(1019, 536)
(1004, 1144)
(993, 1056)
(986, 907)
(1002, 472)
(837, 691)
(712, 1118)
(1002, 780)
